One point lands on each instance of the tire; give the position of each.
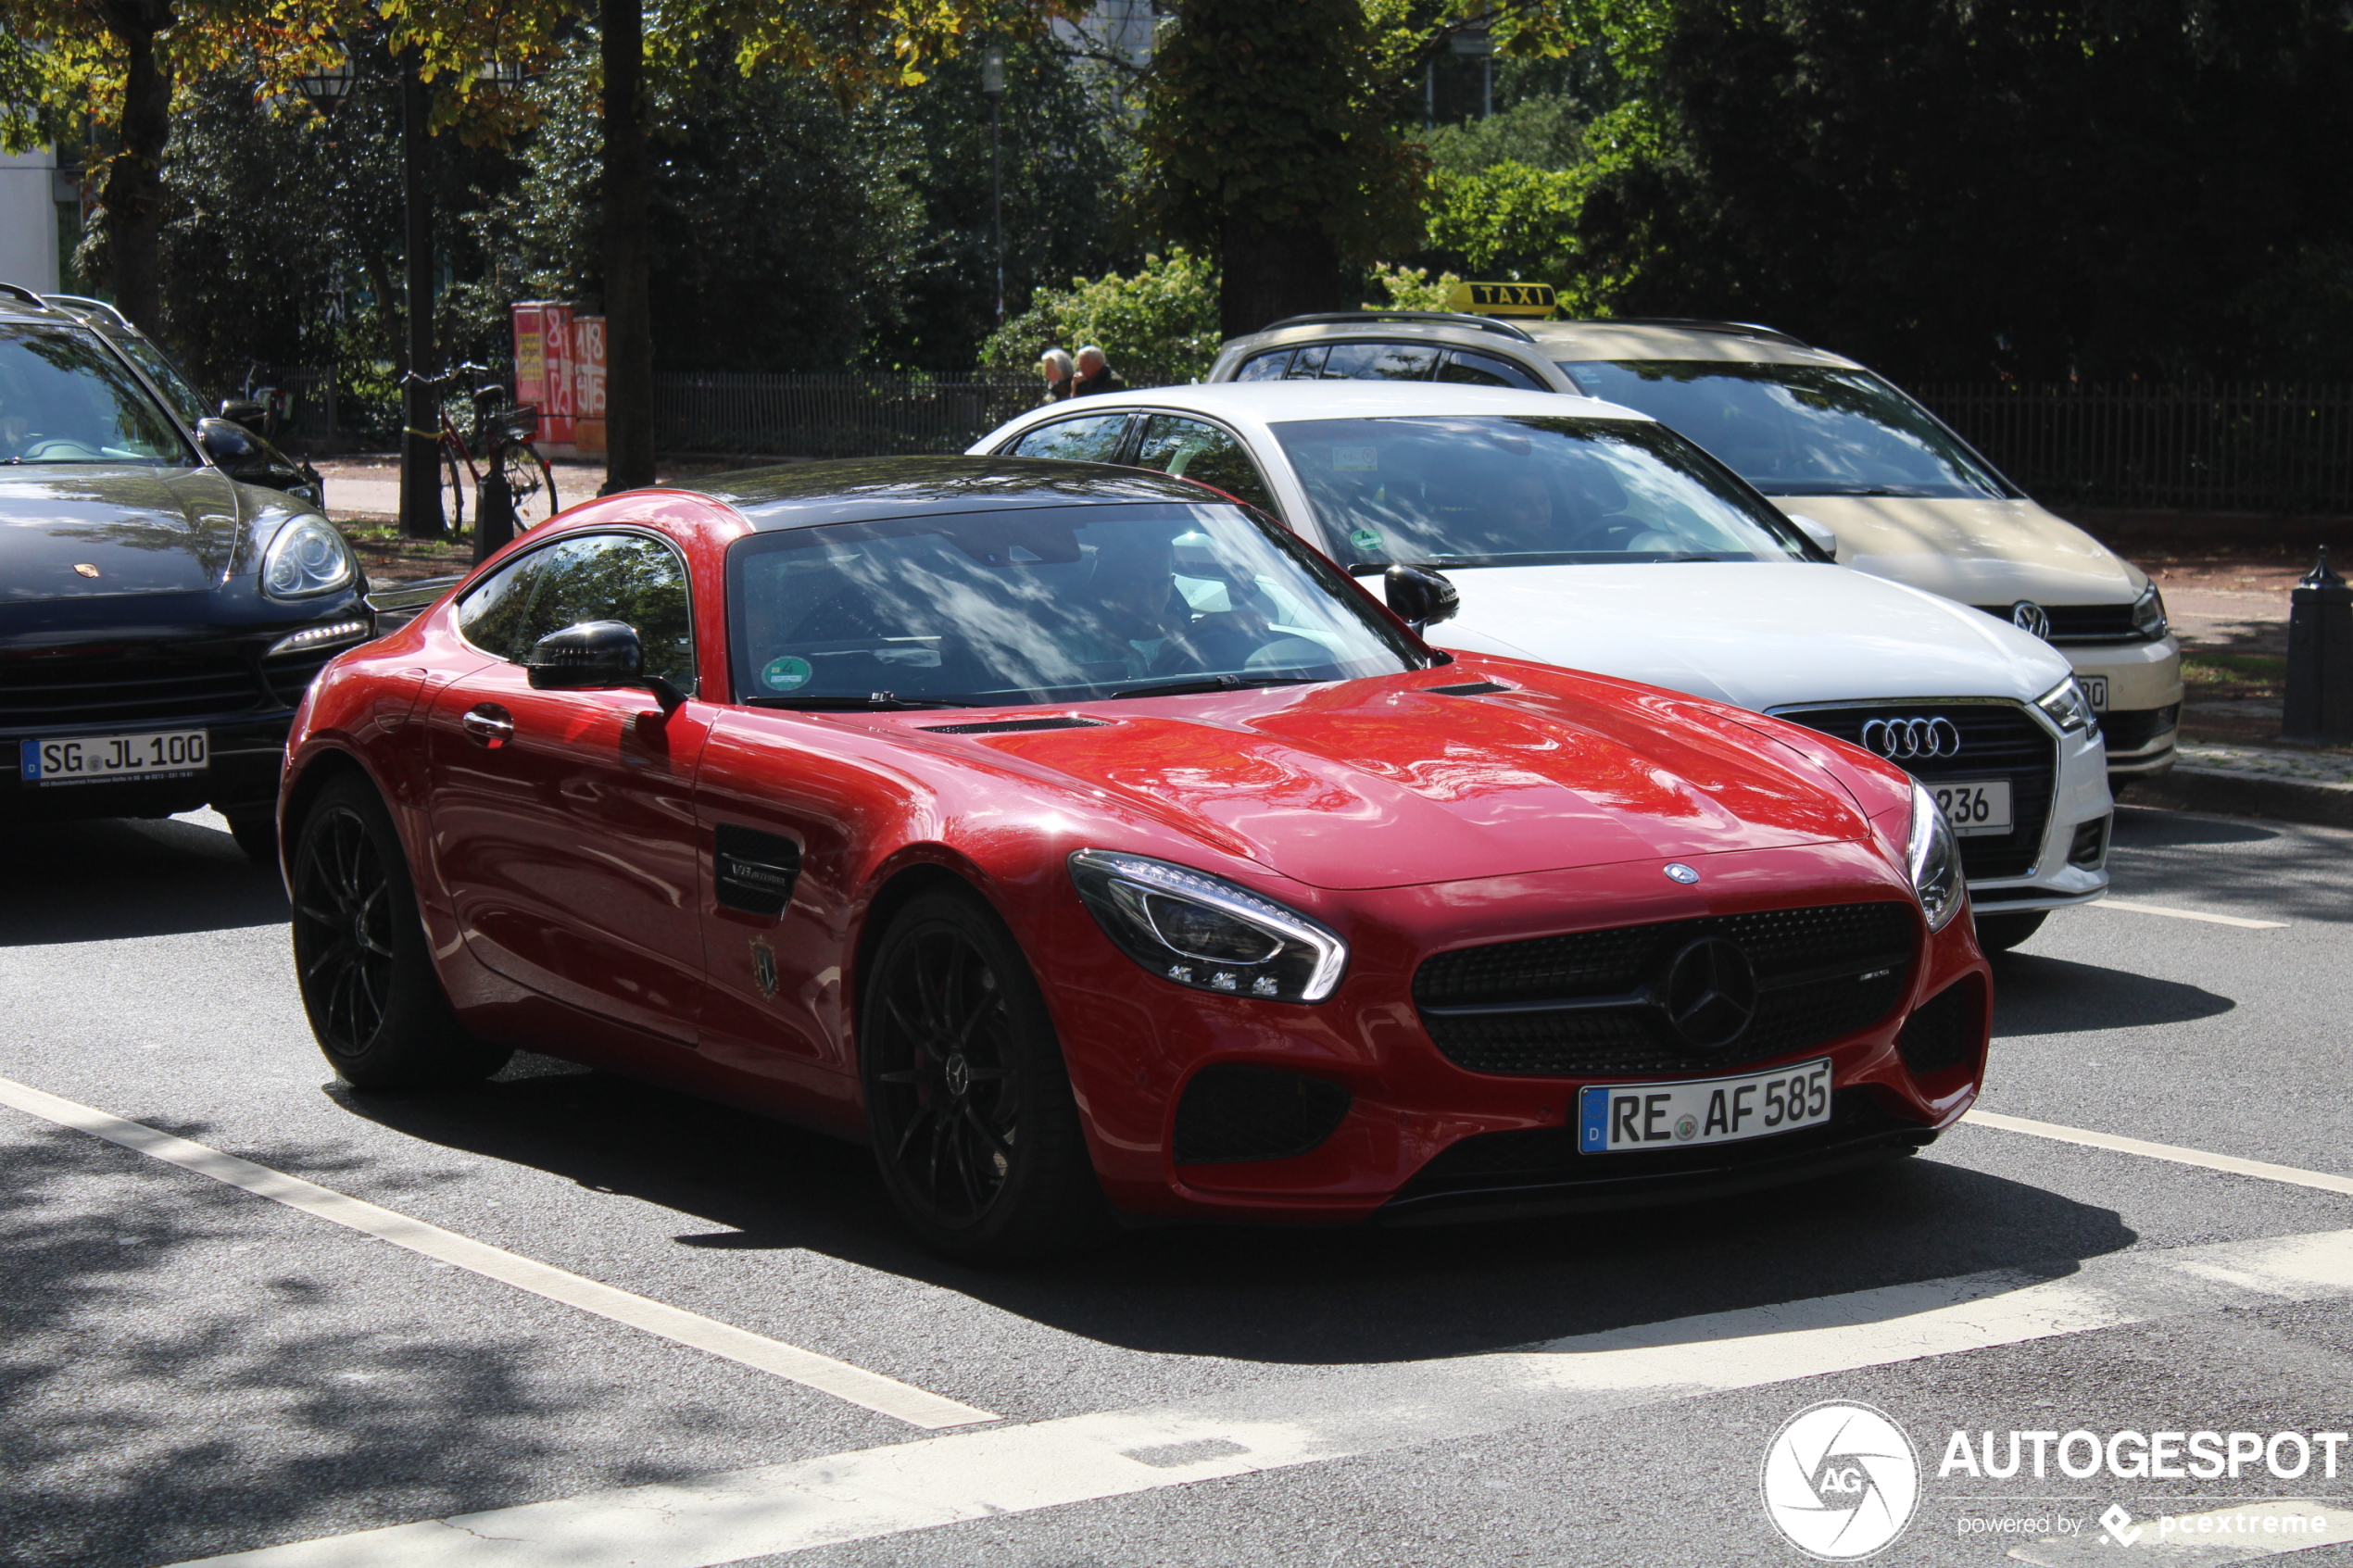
(528, 478)
(974, 1127)
(453, 485)
(257, 835)
(376, 1007)
(1999, 934)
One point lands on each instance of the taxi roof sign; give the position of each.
(1502, 299)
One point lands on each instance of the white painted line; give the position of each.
(2291, 1174)
(2131, 907)
(883, 1394)
(937, 1481)
(2273, 1528)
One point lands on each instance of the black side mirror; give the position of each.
(596, 656)
(1421, 597)
(248, 412)
(239, 453)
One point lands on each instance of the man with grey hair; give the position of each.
(1095, 373)
(1056, 366)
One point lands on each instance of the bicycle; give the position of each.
(502, 432)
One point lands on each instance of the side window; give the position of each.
(624, 577)
(492, 608)
(1265, 366)
(1485, 369)
(1310, 363)
(1381, 362)
(1085, 441)
(1190, 449)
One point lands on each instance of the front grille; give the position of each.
(1822, 974)
(2132, 729)
(2090, 846)
(2083, 624)
(1943, 1031)
(290, 674)
(1998, 740)
(139, 684)
(1232, 1112)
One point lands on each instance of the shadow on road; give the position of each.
(2267, 870)
(2033, 994)
(104, 881)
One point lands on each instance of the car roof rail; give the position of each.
(22, 293)
(1695, 324)
(83, 302)
(1426, 318)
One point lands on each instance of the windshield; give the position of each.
(165, 374)
(1055, 604)
(1799, 430)
(64, 399)
(1525, 490)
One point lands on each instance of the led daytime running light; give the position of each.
(319, 636)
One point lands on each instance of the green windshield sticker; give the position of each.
(1366, 539)
(785, 674)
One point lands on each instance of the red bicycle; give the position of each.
(500, 438)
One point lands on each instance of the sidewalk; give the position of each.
(2289, 783)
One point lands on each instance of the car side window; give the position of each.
(1381, 362)
(491, 609)
(1196, 450)
(1485, 369)
(624, 577)
(1092, 440)
(1309, 364)
(1265, 366)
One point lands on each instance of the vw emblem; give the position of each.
(1678, 871)
(2028, 616)
(1912, 740)
(1711, 994)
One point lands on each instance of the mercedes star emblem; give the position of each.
(1680, 872)
(1711, 994)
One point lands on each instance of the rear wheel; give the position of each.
(531, 482)
(1999, 934)
(453, 490)
(361, 957)
(970, 1106)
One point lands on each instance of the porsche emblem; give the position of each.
(85, 569)
(763, 967)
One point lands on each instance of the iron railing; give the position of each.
(2216, 448)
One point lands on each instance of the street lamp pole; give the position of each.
(420, 441)
(992, 82)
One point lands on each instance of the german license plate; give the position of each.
(1981, 807)
(1621, 1118)
(96, 758)
(2095, 687)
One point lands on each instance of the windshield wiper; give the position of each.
(1222, 684)
(877, 702)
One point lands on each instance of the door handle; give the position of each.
(488, 725)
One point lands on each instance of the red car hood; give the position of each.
(1366, 785)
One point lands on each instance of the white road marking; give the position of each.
(2133, 907)
(883, 1394)
(2273, 1528)
(2291, 1174)
(937, 1481)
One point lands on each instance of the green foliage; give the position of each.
(1544, 133)
(1160, 321)
(1410, 288)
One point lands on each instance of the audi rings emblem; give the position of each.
(2028, 616)
(1912, 740)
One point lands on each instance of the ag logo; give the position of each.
(1841, 1481)
(763, 967)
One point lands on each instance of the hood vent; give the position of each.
(1015, 726)
(1468, 688)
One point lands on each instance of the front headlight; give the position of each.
(307, 557)
(1933, 857)
(1207, 932)
(2069, 708)
(2148, 613)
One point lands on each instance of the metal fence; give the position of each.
(2219, 447)
(836, 415)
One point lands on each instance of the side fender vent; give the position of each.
(1015, 726)
(1947, 1030)
(1469, 688)
(1231, 1113)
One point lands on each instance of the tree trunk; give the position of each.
(420, 514)
(1266, 274)
(133, 195)
(629, 339)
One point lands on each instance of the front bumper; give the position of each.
(2144, 708)
(245, 754)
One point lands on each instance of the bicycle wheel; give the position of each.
(453, 486)
(531, 482)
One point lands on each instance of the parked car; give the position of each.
(1868, 472)
(1087, 844)
(162, 618)
(1593, 537)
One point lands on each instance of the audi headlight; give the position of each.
(1207, 932)
(2069, 708)
(1933, 857)
(2148, 613)
(306, 558)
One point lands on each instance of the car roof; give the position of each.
(861, 489)
(1280, 402)
(1653, 338)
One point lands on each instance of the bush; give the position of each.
(1158, 325)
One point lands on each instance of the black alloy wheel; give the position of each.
(971, 1110)
(361, 957)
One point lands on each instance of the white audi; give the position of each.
(1581, 533)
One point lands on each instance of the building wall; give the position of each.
(29, 220)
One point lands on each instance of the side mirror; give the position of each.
(247, 411)
(596, 656)
(1421, 597)
(237, 451)
(1824, 540)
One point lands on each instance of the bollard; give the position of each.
(494, 514)
(2320, 657)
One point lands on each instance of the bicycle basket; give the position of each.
(520, 422)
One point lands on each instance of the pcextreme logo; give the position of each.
(1841, 1481)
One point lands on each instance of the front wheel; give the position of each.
(974, 1126)
(360, 954)
(453, 486)
(531, 484)
(1999, 934)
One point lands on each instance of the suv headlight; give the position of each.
(2069, 708)
(2148, 613)
(1207, 932)
(307, 557)
(1933, 856)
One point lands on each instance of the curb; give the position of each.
(2188, 788)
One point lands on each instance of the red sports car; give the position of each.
(1092, 848)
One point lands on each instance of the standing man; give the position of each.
(1095, 374)
(1056, 366)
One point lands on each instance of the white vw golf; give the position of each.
(1581, 533)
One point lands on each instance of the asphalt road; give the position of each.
(188, 1368)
